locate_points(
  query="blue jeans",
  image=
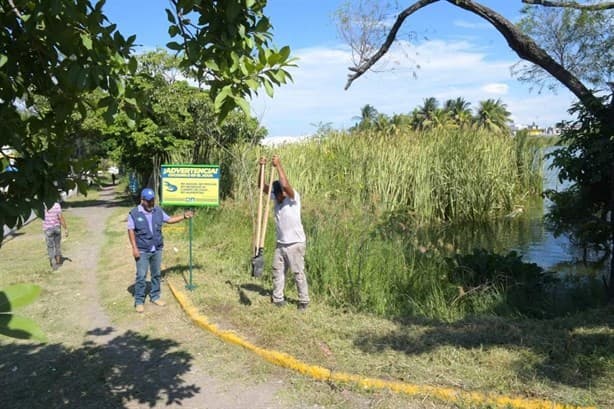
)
(151, 261)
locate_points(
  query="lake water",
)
(525, 233)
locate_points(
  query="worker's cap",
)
(147, 194)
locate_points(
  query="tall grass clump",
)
(445, 175)
(352, 184)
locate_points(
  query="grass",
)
(350, 325)
(567, 360)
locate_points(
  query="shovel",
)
(258, 260)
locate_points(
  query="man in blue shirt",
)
(145, 234)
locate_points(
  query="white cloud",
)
(447, 70)
(496, 88)
(471, 25)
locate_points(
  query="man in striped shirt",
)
(52, 226)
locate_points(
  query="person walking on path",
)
(291, 241)
(145, 234)
(53, 223)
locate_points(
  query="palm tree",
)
(368, 116)
(459, 111)
(493, 115)
(441, 119)
(424, 115)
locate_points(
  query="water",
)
(543, 248)
(525, 233)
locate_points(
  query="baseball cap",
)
(147, 194)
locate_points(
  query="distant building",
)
(534, 130)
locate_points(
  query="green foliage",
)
(365, 196)
(54, 55)
(15, 326)
(586, 161)
(441, 175)
(229, 46)
(581, 41)
(491, 116)
(517, 286)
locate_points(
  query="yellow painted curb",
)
(450, 395)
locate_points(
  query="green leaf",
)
(284, 53)
(170, 16)
(252, 83)
(174, 45)
(268, 87)
(18, 327)
(173, 30)
(3, 59)
(212, 65)
(87, 41)
(133, 64)
(220, 98)
(243, 104)
(18, 295)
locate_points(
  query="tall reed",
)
(365, 197)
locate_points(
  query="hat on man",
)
(147, 194)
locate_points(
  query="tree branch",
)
(523, 45)
(528, 50)
(364, 67)
(572, 5)
(15, 9)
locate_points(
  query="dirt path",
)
(199, 389)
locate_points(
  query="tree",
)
(580, 40)
(526, 48)
(425, 114)
(53, 53)
(598, 113)
(368, 116)
(178, 122)
(459, 111)
(493, 116)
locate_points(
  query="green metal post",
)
(190, 286)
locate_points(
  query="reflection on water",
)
(524, 232)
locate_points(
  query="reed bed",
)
(365, 196)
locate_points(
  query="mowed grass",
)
(567, 360)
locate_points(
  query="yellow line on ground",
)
(450, 395)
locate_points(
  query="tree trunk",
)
(609, 135)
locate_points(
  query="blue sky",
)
(459, 55)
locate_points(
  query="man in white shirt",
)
(290, 248)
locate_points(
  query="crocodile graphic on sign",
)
(170, 187)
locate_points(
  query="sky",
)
(458, 54)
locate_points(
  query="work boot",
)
(279, 304)
(140, 308)
(159, 302)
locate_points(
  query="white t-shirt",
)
(288, 220)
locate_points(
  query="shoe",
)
(302, 306)
(159, 302)
(279, 304)
(140, 308)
